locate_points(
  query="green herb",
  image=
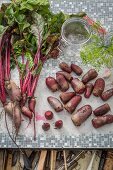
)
(97, 54)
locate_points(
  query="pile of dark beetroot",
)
(70, 100)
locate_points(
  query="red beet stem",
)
(25, 83)
(33, 87)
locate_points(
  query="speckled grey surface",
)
(101, 10)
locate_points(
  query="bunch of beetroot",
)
(70, 100)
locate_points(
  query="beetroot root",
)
(9, 108)
(101, 110)
(98, 87)
(81, 115)
(77, 86)
(55, 104)
(66, 96)
(107, 94)
(65, 67)
(102, 120)
(64, 85)
(17, 118)
(90, 75)
(73, 103)
(76, 69)
(27, 112)
(88, 91)
(13, 91)
(52, 84)
(32, 104)
(67, 76)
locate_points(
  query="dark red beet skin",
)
(48, 115)
(67, 76)
(102, 120)
(73, 103)
(101, 110)
(76, 69)
(55, 104)
(58, 124)
(66, 96)
(98, 87)
(107, 94)
(52, 84)
(88, 90)
(65, 67)
(46, 126)
(64, 85)
(78, 86)
(90, 75)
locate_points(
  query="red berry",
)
(46, 126)
(48, 115)
(59, 124)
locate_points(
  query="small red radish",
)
(81, 115)
(64, 85)
(55, 104)
(73, 103)
(88, 91)
(58, 124)
(27, 112)
(107, 94)
(48, 115)
(98, 87)
(67, 76)
(46, 126)
(65, 67)
(90, 75)
(32, 104)
(101, 110)
(66, 96)
(52, 84)
(76, 69)
(102, 120)
(77, 86)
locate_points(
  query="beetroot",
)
(52, 84)
(73, 103)
(64, 85)
(58, 124)
(66, 96)
(102, 120)
(81, 115)
(48, 115)
(55, 104)
(98, 87)
(67, 76)
(90, 75)
(31, 104)
(77, 86)
(88, 91)
(101, 110)
(65, 67)
(46, 126)
(107, 94)
(76, 69)
(17, 118)
(27, 112)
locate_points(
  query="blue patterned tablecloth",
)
(101, 10)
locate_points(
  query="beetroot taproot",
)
(52, 84)
(65, 67)
(67, 76)
(27, 112)
(75, 68)
(90, 75)
(88, 90)
(66, 96)
(101, 110)
(98, 87)
(78, 86)
(107, 94)
(64, 85)
(55, 104)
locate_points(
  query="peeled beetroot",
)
(64, 85)
(107, 94)
(79, 116)
(66, 96)
(90, 75)
(76, 69)
(78, 86)
(98, 87)
(73, 103)
(52, 84)
(65, 67)
(46, 126)
(55, 104)
(102, 120)
(101, 110)
(59, 124)
(48, 115)
(67, 76)
(88, 90)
